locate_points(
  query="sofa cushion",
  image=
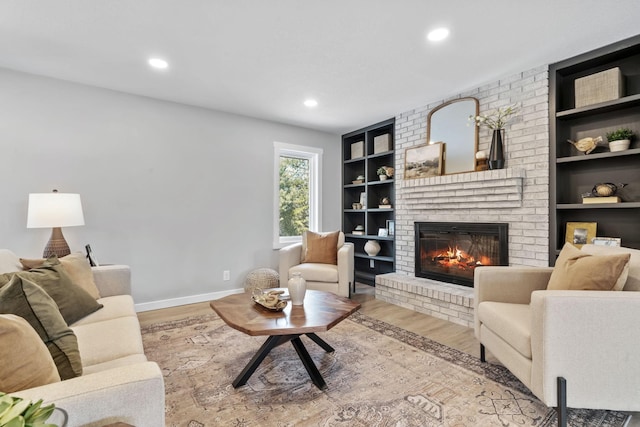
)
(112, 339)
(320, 247)
(511, 322)
(9, 262)
(113, 307)
(74, 303)
(316, 272)
(633, 280)
(76, 266)
(26, 362)
(29, 301)
(578, 270)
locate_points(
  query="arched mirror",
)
(449, 123)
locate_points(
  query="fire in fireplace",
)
(451, 251)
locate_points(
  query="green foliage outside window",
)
(294, 196)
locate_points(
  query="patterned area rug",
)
(379, 375)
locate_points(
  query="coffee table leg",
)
(271, 342)
(322, 343)
(308, 363)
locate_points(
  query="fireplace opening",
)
(451, 251)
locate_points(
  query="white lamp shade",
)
(48, 210)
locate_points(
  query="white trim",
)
(314, 155)
(192, 299)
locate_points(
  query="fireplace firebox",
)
(451, 251)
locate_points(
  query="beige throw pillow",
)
(320, 248)
(76, 266)
(577, 270)
(29, 301)
(26, 362)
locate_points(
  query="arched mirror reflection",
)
(449, 123)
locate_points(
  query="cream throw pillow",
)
(321, 248)
(26, 362)
(76, 266)
(577, 270)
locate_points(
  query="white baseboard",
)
(174, 302)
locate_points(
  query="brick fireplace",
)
(517, 195)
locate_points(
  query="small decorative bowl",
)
(619, 145)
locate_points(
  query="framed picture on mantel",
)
(423, 161)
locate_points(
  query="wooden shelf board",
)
(602, 107)
(596, 156)
(575, 206)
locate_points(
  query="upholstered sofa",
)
(321, 276)
(117, 381)
(575, 348)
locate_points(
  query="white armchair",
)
(575, 348)
(336, 278)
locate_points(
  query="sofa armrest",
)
(289, 256)
(133, 394)
(513, 284)
(345, 269)
(591, 339)
(112, 279)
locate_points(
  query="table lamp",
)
(55, 210)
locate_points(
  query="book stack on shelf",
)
(609, 199)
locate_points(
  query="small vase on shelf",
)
(496, 153)
(297, 289)
(372, 248)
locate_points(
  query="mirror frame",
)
(476, 133)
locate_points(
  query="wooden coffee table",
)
(321, 311)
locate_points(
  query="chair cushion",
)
(26, 362)
(29, 301)
(316, 272)
(74, 302)
(578, 270)
(320, 247)
(633, 281)
(511, 322)
(76, 266)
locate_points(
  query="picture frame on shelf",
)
(363, 200)
(391, 227)
(606, 241)
(424, 160)
(383, 232)
(580, 233)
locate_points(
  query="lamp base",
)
(56, 245)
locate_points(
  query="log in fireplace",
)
(451, 251)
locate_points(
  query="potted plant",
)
(385, 172)
(496, 121)
(619, 139)
(18, 412)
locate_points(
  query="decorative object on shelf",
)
(423, 161)
(496, 121)
(372, 247)
(620, 139)
(603, 193)
(385, 172)
(385, 203)
(381, 143)
(599, 87)
(359, 180)
(586, 145)
(363, 199)
(359, 230)
(383, 232)
(606, 241)
(356, 206)
(297, 289)
(580, 233)
(391, 227)
(357, 149)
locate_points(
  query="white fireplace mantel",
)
(501, 188)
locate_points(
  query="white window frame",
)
(314, 155)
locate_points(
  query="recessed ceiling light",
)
(158, 63)
(310, 103)
(438, 34)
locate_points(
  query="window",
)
(297, 172)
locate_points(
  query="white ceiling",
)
(363, 60)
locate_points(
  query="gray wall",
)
(177, 192)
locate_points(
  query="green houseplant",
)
(620, 134)
(18, 412)
(385, 172)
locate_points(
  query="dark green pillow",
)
(73, 302)
(29, 301)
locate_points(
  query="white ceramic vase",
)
(297, 288)
(372, 247)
